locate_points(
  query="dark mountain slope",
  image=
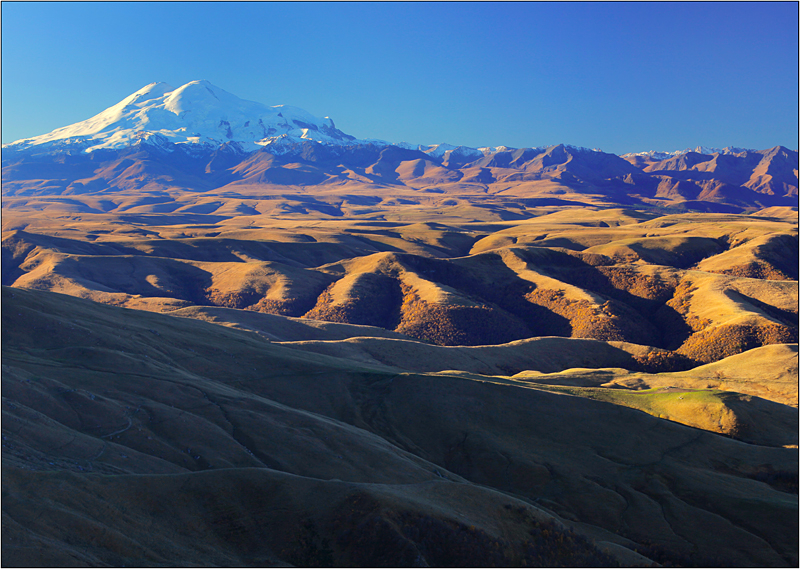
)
(745, 180)
(134, 421)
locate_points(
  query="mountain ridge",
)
(160, 101)
(199, 137)
(155, 165)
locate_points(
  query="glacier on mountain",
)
(200, 116)
(195, 113)
(708, 150)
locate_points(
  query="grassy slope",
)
(733, 414)
(104, 392)
(406, 278)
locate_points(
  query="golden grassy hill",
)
(608, 274)
(769, 372)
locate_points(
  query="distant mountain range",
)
(199, 137)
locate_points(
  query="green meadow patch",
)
(706, 409)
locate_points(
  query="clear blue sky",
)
(617, 76)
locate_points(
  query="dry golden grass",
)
(770, 256)
(750, 396)
(779, 212)
(742, 417)
(351, 270)
(768, 372)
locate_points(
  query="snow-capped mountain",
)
(707, 150)
(199, 137)
(199, 116)
(197, 112)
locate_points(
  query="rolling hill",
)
(235, 335)
(120, 426)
